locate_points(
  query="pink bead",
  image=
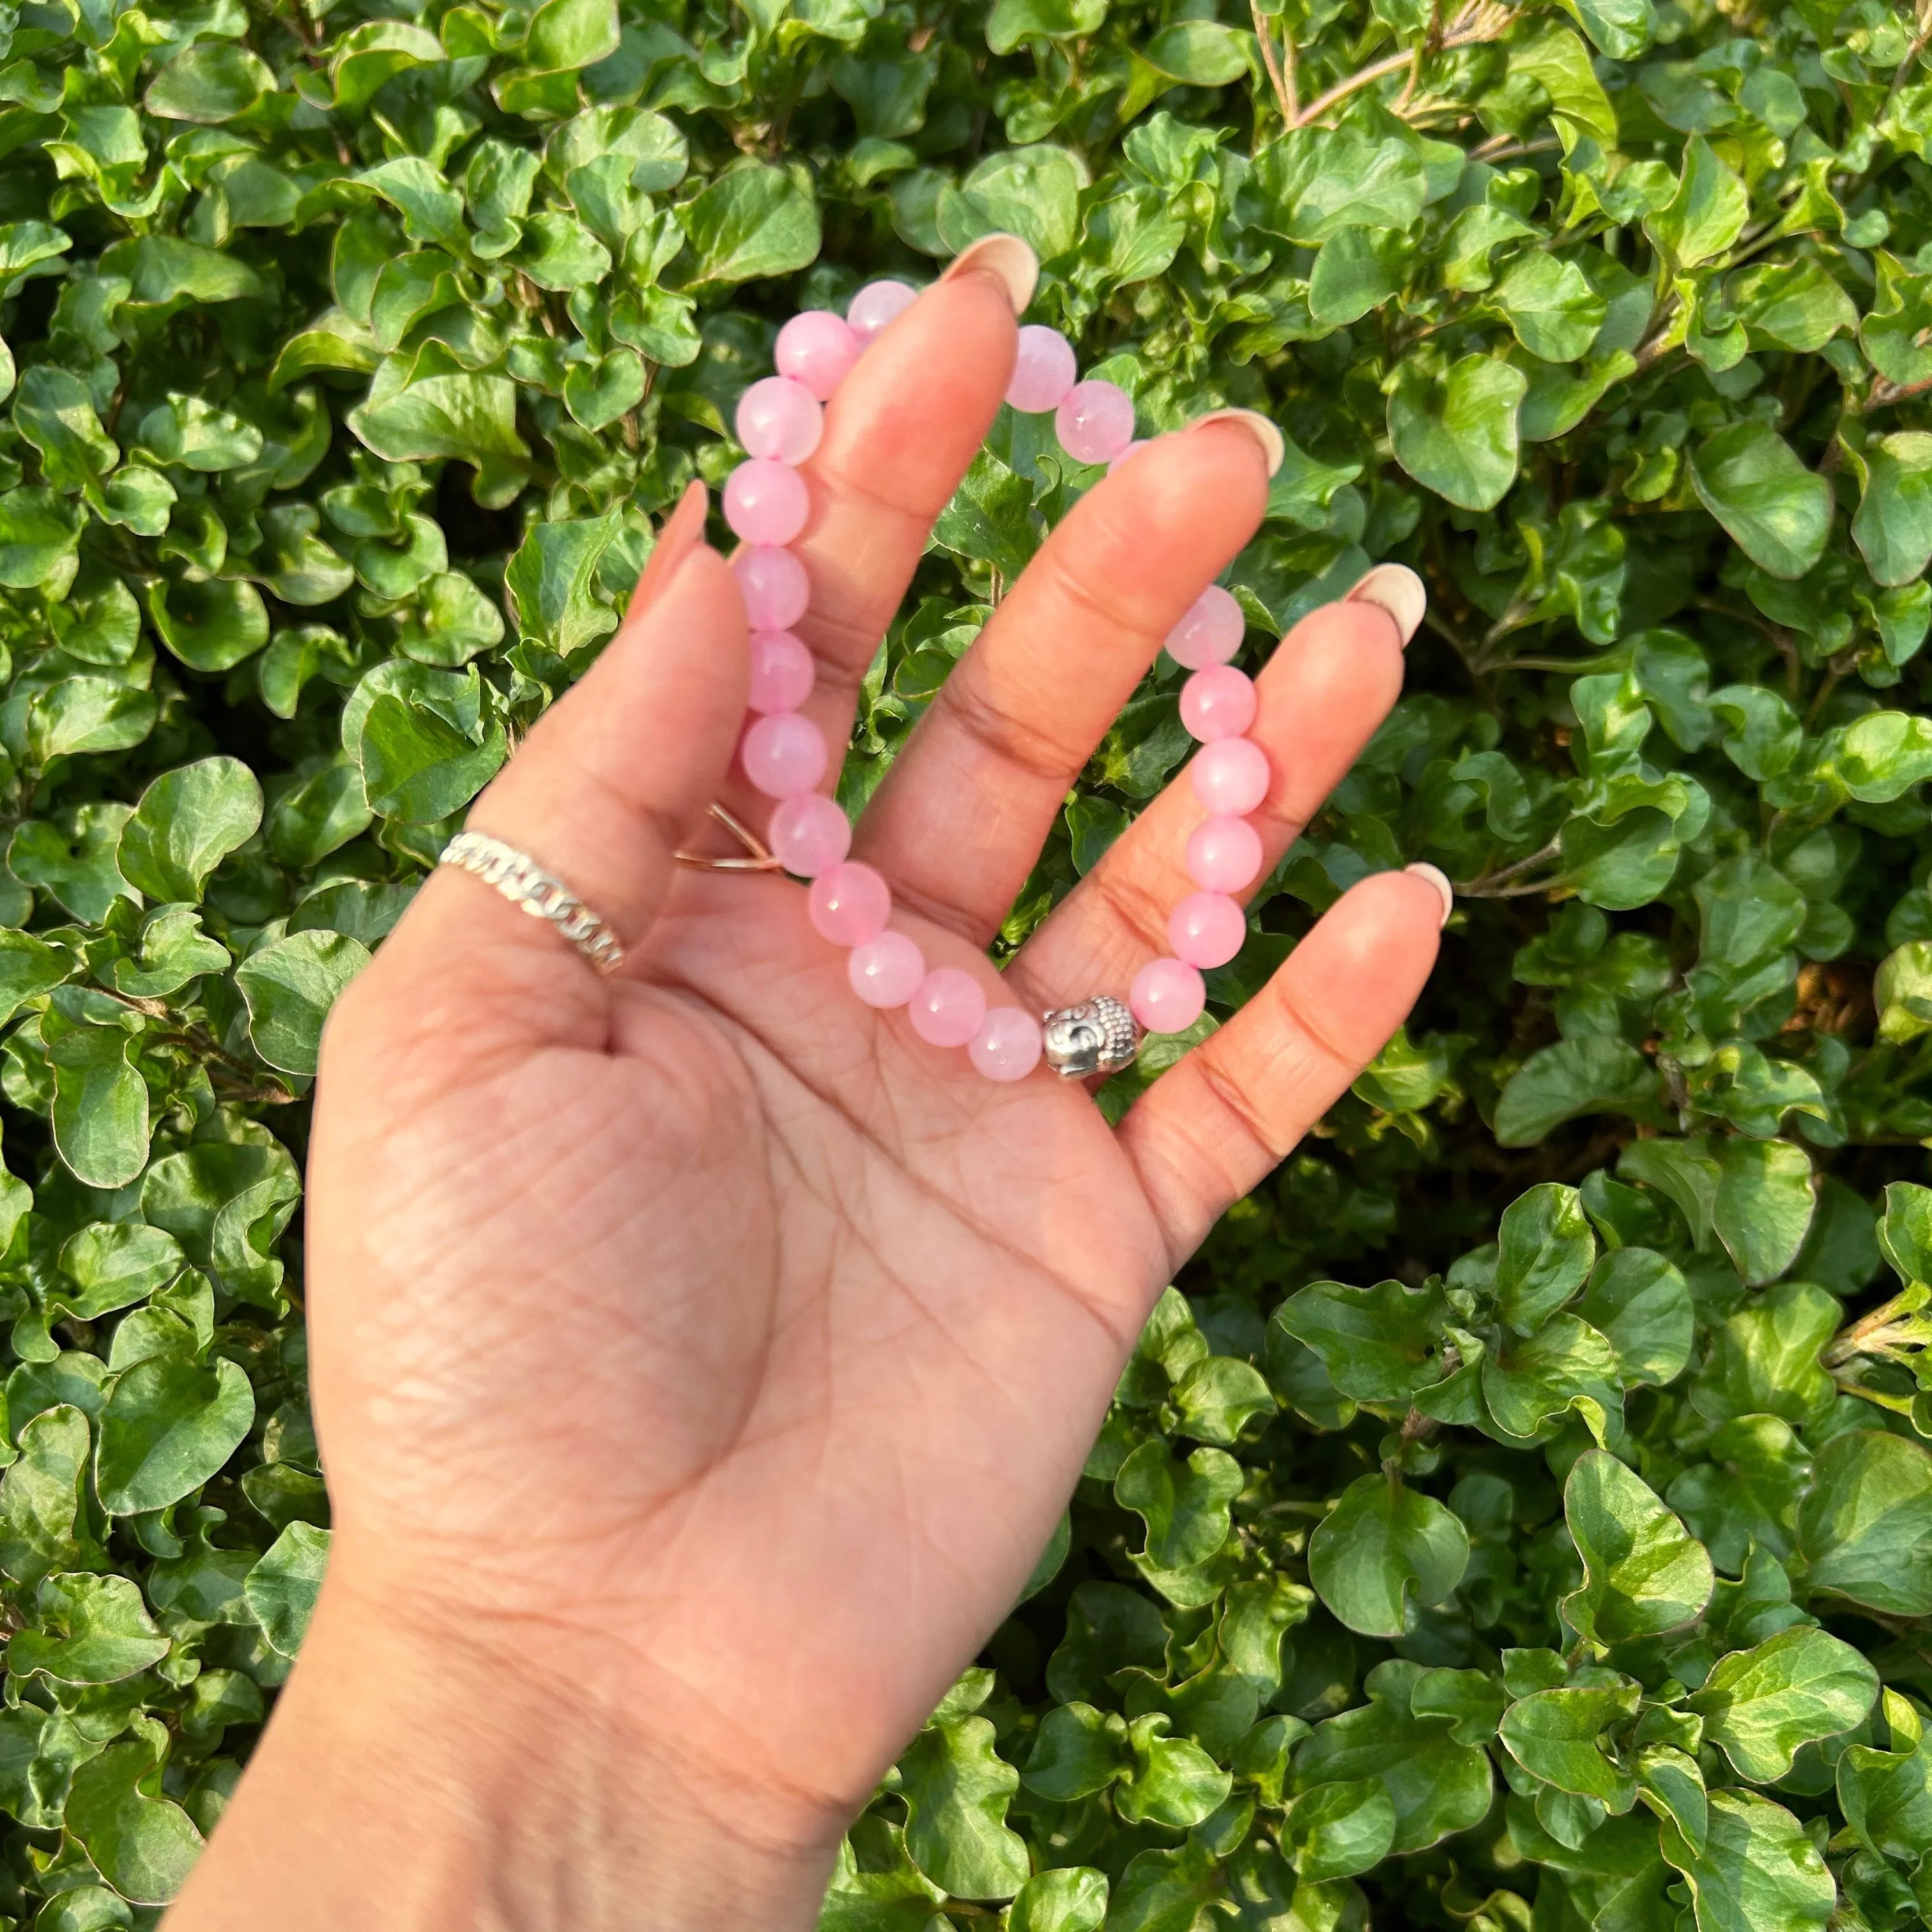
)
(782, 672)
(808, 834)
(1217, 703)
(1139, 443)
(779, 418)
(1095, 421)
(1166, 996)
(1206, 929)
(765, 502)
(1008, 1045)
(1224, 855)
(876, 304)
(1211, 633)
(849, 903)
(1043, 371)
(817, 348)
(774, 586)
(783, 754)
(948, 1008)
(1230, 776)
(886, 971)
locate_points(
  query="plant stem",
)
(1280, 65)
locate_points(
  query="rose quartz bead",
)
(783, 754)
(808, 834)
(1166, 996)
(1217, 703)
(1230, 776)
(1206, 929)
(1211, 633)
(886, 971)
(1139, 443)
(1224, 855)
(774, 586)
(849, 903)
(1043, 371)
(876, 304)
(817, 348)
(1008, 1045)
(779, 418)
(948, 1008)
(765, 502)
(1095, 421)
(782, 672)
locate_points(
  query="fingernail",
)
(1439, 879)
(1395, 588)
(1274, 450)
(675, 535)
(1006, 257)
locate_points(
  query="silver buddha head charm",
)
(1098, 1036)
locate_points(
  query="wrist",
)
(424, 1777)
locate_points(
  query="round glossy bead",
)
(876, 304)
(1167, 996)
(774, 586)
(949, 1007)
(1008, 1045)
(886, 971)
(808, 834)
(1217, 703)
(783, 754)
(779, 418)
(1206, 929)
(818, 349)
(1094, 421)
(1224, 855)
(849, 903)
(1043, 371)
(1230, 777)
(1211, 633)
(766, 502)
(782, 672)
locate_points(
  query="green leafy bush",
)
(1564, 1561)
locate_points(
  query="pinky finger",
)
(1214, 1125)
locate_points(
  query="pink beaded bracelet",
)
(783, 754)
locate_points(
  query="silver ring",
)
(524, 883)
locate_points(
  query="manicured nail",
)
(676, 536)
(1395, 588)
(1274, 450)
(1006, 258)
(1439, 879)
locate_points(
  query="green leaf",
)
(281, 1589)
(1071, 1898)
(187, 821)
(1559, 1736)
(288, 987)
(87, 1630)
(168, 1425)
(750, 224)
(1456, 432)
(162, 270)
(1553, 309)
(1762, 1705)
(1184, 1504)
(1337, 1830)
(1886, 1796)
(1767, 1194)
(1011, 23)
(570, 34)
(1621, 28)
(1756, 1871)
(209, 83)
(1778, 511)
(553, 585)
(1705, 216)
(142, 1843)
(39, 532)
(55, 411)
(1546, 1250)
(1644, 1573)
(1319, 181)
(1033, 192)
(1379, 1344)
(28, 967)
(419, 768)
(44, 1524)
(199, 435)
(1382, 1552)
(116, 1263)
(1596, 1074)
(100, 1115)
(212, 624)
(472, 417)
(1641, 1305)
(956, 1789)
(1865, 1528)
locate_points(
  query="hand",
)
(702, 1361)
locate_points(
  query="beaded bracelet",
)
(783, 754)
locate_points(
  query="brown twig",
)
(1280, 66)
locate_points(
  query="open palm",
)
(700, 1328)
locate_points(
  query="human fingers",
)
(1022, 711)
(1216, 1123)
(609, 781)
(1320, 698)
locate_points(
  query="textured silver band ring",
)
(524, 883)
